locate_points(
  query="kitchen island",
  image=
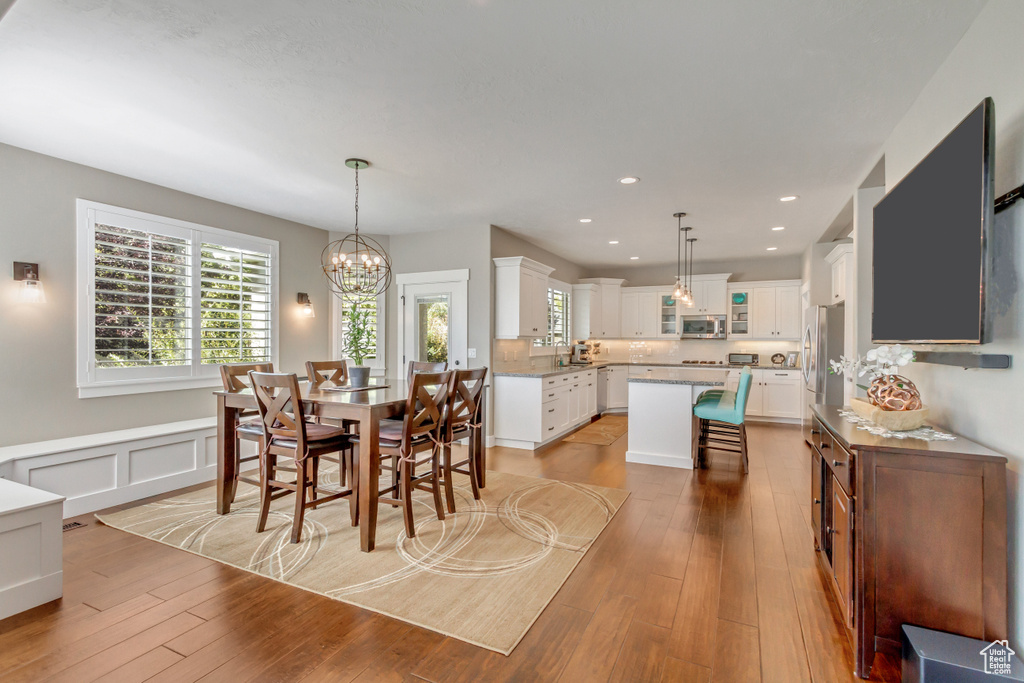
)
(661, 414)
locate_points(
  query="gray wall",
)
(743, 270)
(450, 249)
(504, 243)
(40, 400)
(984, 405)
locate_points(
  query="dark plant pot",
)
(359, 376)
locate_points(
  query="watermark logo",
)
(998, 658)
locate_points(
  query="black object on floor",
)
(937, 657)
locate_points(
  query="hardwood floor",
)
(701, 576)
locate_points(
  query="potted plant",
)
(358, 344)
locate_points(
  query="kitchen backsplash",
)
(514, 354)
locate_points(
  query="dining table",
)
(384, 398)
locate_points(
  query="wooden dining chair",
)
(424, 366)
(335, 373)
(304, 444)
(462, 419)
(418, 432)
(235, 378)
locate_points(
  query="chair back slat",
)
(425, 407)
(235, 376)
(275, 393)
(464, 400)
(416, 366)
(333, 371)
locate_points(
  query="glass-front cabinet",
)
(738, 302)
(668, 315)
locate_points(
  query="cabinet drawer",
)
(838, 459)
(549, 395)
(550, 419)
(551, 382)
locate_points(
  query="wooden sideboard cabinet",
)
(908, 532)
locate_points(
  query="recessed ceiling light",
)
(613, 242)
(772, 248)
(629, 180)
(585, 220)
(788, 198)
(633, 258)
(779, 227)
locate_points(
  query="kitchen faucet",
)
(556, 357)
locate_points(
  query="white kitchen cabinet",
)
(630, 315)
(774, 393)
(780, 391)
(618, 395)
(775, 311)
(531, 411)
(841, 260)
(602, 390)
(641, 313)
(608, 325)
(650, 308)
(520, 298)
(739, 315)
(708, 297)
(668, 315)
(586, 311)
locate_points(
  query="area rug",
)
(483, 575)
(601, 433)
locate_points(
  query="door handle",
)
(817, 501)
(456, 362)
(837, 463)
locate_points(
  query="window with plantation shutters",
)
(141, 299)
(559, 301)
(235, 305)
(163, 302)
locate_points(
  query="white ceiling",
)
(518, 113)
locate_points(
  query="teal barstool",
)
(718, 419)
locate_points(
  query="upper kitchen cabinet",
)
(520, 297)
(841, 260)
(774, 309)
(640, 312)
(708, 295)
(586, 311)
(608, 324)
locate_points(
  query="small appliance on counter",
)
(743, 359)
(581, 354)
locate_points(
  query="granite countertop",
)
(549, 372)
(713, 378)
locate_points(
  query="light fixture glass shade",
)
(31, 292)
(687, 298)
(307, 311)
(678, 293)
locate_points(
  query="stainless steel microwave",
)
(703, 327)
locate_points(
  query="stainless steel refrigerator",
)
(822, 342)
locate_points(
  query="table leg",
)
(369, 479)
(227, 456)
(481, 443)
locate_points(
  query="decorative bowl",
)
(893, 420)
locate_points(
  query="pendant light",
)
(678, 292)
(688, 296)
(357, 267)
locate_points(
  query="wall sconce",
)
(31, 291)
(307, 306)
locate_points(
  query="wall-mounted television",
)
(931, 232)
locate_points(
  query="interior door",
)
(433, 324)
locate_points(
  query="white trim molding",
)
(97, 471)
(93, 382)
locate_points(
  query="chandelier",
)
(357, 267)
(682, 291)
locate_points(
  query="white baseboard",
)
(101, 470)
(660, 460)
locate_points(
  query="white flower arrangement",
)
(885, 360)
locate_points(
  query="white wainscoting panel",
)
(100, 470)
